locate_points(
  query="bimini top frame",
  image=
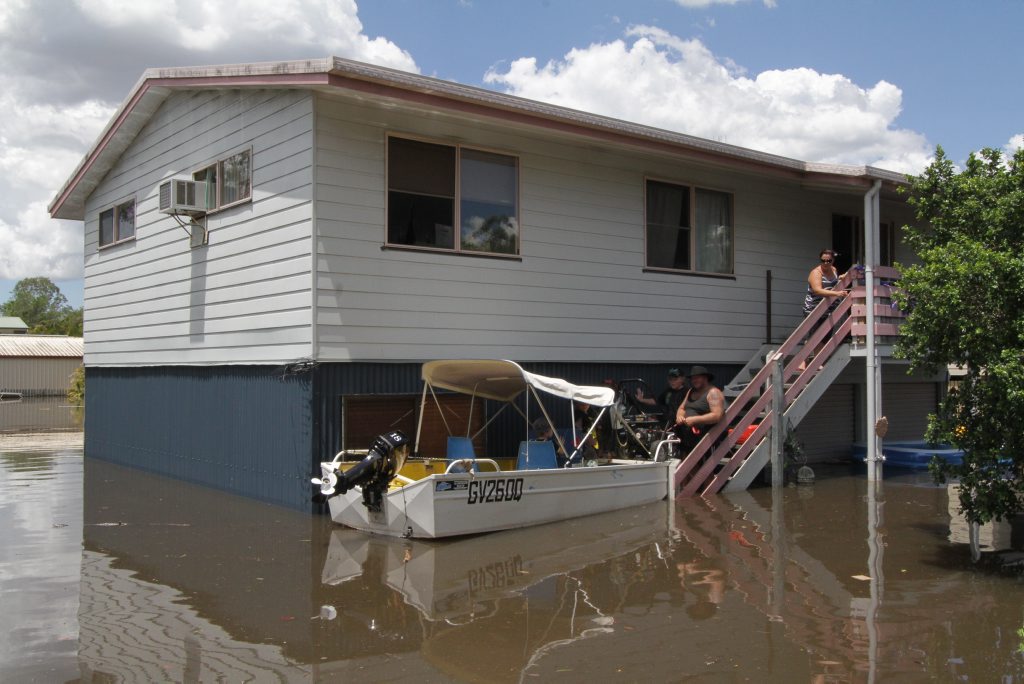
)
(504, 381)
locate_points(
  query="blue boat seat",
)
(536, 456)
(460, 447)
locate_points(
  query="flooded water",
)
(112, 575)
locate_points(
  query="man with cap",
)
(667, 403)
(701, 408)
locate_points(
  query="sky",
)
(876, 82)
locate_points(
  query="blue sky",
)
(865, 82)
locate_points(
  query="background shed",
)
(38, 365)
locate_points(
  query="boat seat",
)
(536, 456)
(458, 448)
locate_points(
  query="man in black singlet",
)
(703, 406)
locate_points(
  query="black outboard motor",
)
(384, 459)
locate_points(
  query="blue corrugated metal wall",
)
(243, 429)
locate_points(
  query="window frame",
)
(693, 188)
(457, 199)
(115, 208)
(218, 166)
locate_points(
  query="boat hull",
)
(457, 504)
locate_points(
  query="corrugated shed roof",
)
(40, 345)
(12, 322)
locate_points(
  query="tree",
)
(966, 306)
(43, 308)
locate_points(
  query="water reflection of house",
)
(38, 365)
(131, 630)
(358, 221)
(172, 573)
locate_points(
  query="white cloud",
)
(67, 67)
(36, 245)
(656, 78)
(1014, 144)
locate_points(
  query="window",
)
(117, 223)
(228, 181)
(689, 229)
(432, 188)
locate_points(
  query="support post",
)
(768, 307)
(778, 419)
(871, 410)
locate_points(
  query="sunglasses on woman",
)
(826, 261)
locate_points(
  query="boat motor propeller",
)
(383, 460)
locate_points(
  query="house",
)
(38, 365)
(354, 221)
(12, 325)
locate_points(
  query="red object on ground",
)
(746, 433)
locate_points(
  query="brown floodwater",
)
(110, 574)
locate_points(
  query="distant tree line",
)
(43, 308)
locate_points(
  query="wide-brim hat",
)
(700, 370)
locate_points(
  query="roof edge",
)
(298, 73)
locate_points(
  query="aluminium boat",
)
(389, 493)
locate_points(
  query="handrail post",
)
(778, 421)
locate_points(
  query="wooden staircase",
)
(720, 462)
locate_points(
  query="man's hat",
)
(700, 370)
(675, 373)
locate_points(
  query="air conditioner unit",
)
(183, 196)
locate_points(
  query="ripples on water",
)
(115, 575)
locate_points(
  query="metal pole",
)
(875, 551)
(768, 307)
(778, 420)
(871, 410)
(879, 413)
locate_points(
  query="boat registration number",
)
(492, 491)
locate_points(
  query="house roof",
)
(334, 73)
(48, 346)
(12, 322)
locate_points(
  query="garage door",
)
(365, 417)
(907, 406)
(827, 431)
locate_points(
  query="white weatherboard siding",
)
(244, 298)
(579, 292)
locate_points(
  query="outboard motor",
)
(385, 458)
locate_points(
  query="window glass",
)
(236, 176)
(421, 194)
(668, 226)
(126, 220)
(706, 245)
(488, 202)
(713, 232)
(208, 176)
(106, 227)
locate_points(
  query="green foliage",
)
(76, 391)
(966, 306)
(43, 307)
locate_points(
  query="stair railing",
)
(712, 453)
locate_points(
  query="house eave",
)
(334, 73)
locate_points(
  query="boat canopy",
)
(505, 380)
